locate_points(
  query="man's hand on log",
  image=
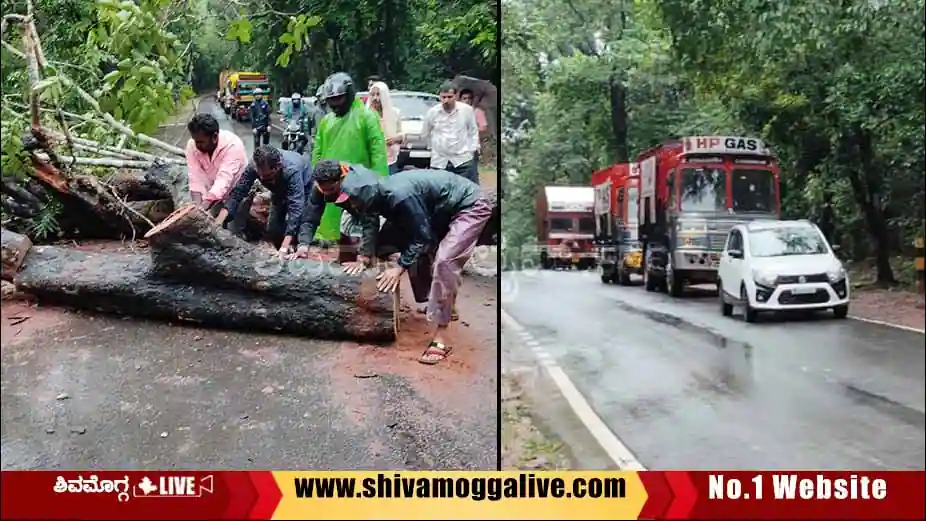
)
(389, 279)
(356, 268)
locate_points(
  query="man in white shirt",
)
(451, 129)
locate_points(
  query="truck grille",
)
(795, 279)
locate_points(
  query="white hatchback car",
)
(780, 266)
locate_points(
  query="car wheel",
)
(749, 313)
(841, 311)
(726, 309)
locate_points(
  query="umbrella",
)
(485, 96)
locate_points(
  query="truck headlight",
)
(764, 279)
(836, 275)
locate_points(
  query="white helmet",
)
(296, 96)
(258, 90)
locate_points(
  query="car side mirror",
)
(836, 247)
(736, 254)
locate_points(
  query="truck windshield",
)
(703, 189)
(586, 225)
(753, 190)
(632, 204)
(779, 242)
(560, 224)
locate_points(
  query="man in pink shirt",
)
(215, 160)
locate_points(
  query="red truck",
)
(617, 245)
(566, 227)
(692, 191)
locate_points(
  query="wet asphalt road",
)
(81, 392)
(684, 387)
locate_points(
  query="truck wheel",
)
(625, 277)
(674, 282)
(648, 281)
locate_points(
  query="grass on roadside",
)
(524, 446)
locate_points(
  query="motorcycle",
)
(294, 136)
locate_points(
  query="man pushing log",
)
(430, 215)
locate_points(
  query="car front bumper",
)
(817, 295)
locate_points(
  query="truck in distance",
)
(692, 192)
(617, 245)
(566, 227)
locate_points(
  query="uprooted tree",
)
(77, 114)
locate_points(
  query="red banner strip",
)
(138, 495)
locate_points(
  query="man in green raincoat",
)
(350, 133)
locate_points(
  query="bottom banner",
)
(462, 495)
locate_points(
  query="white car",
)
(780, 266)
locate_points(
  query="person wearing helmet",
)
(259, 114)
(296, 110)
(350, 133)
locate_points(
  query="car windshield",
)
(413, 106)
(632, 204)
(753, 190)
(703, 190)
(780, 242)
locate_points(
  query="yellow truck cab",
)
(241, 85)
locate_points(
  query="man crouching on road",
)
(428, 211)
(215, 160)
(288, 176)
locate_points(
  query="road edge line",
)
(619, 453)
(888, 324)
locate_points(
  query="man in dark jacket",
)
(288, 176)
(259, 114)
(428, 213)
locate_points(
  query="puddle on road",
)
(730, 366)
(889, 407)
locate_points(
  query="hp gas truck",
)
(692, 191)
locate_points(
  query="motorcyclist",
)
(297, 111)
(259, 114)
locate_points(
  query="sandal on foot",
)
(437, 350)
(454, 316)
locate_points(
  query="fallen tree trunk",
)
(200, 273)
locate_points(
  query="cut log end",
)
(14, 249)
(177, 216)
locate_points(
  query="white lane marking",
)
(888, 324)
(619, 453)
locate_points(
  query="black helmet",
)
(338, 84)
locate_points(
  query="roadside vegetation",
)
(836, 89)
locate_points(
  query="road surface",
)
(82, 392)
(683, 387)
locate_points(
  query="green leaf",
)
(44, 84)
(112, 77)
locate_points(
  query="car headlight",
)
(836, 275)
(764, 279)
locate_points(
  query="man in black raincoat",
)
(429, 214)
